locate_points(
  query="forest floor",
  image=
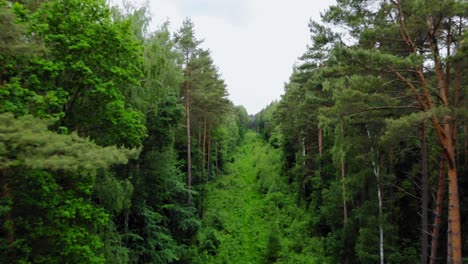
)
(250, 217)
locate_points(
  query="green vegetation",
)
(373, 127)
(120, 145)
(251, 214)
(92, 134)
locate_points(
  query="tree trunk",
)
(206, 176)
(204, 142)
(376, 169)
(438, 210)
(189, 149)
(454, 208)
(343, 181)
(381, 232)
(465, 130)
(209, 155)
(424, 196)
(445, 134)
(8, 221)
(454, 232)
(443, 129)
(449, 243)
(303, 151)
(345, 206)
(199, 125)
(320, 150)
(216, 159)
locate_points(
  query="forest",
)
(119, 144)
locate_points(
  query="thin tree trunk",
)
(381, 232)
(8, 221)
(216, 159)
(343, 180)
(204, 142)
(189, 149)
(343, 183)
(209, 155)
(199, 132)
(126, 218)
(376, 169)
(303, 151)
(320, 150)
(424, 196)
(390, 161)
(345, 206)
(206, 176)
(465, 130)
(438, 210)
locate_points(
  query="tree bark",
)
(343, 180)
(343, 183)
(444, 129)
(345, 206)
(303, 151)
(424, 196)
(199, 132)
(208, 164)
(376, 169)
(204, 142)
(206, 176)
(465, 129)
(216, 159)
(447, 140)
(8, 221)
(454, 207)
(189, 149)
(449, 244)
(438, 209)
(320, 150)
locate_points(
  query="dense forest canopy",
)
(119, 144)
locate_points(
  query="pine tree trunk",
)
(343, 183)
(454, 208)
(449, 243)
(443, 129)
(465, 130)
(445, 134)
(438, 210)
(345, 206)
(216, 159)
(189, 149)
(204, 142)
(303, 151)
(204, 178)
(424, 196)
(343, 180)
(209, 155)
(8, 221)
(199, 141)
(320, 149)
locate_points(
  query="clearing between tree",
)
(251, 217)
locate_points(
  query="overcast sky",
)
(255, 43)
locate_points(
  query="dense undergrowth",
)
(252, 216)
